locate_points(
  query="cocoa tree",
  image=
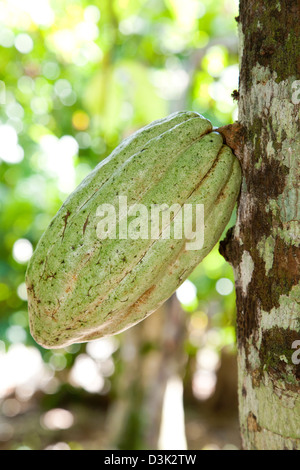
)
(264, 246)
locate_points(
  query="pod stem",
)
(234, 137)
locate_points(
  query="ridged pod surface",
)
(81, 287)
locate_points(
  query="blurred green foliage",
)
(78, 78)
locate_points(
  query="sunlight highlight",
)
(172, 432)
(85, 373)
(57, 419)
(224, 286)
(25, 12)
(10, 150)
(186, 293)
(22, 250)
(58, 158)
(21, 370)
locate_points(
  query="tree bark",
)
(264, 246)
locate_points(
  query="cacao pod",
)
(82, 287)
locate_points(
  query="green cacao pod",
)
(82, 286)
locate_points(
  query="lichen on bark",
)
(264, 248)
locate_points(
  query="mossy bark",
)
(264, 247)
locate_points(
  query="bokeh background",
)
(76, 78)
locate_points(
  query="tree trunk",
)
(264, 248)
